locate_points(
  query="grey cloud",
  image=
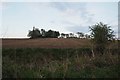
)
(78, 7)
(65, 5)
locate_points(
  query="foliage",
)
(80, 34)
(100, 34)
(58, 63)
(52, 34)
(36, 33)
(62, 35)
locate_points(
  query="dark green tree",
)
(35, 33)
(49, 34)
(43, 33)
(56, 34)
(52, 34)
(101, 34)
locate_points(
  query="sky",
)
(18, 18)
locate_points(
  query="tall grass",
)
(58, 63)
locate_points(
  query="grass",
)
(58, 63)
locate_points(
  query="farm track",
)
(45, 43)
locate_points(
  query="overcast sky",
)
(19, 17)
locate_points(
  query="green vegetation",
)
(101, 34)
(36, 33)
(59, 63)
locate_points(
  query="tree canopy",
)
(36, 33)
(101, 34)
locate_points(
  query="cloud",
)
(60, 16)
(78, 29)
(73, 14)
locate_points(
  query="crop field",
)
(56, 58)
(50, 43)
(45, 43)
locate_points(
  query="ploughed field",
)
(45, 43)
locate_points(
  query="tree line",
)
(36, 33)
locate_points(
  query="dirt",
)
(45, 43)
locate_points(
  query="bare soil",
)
(45, 43)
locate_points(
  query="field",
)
(45, 43)
(56, 58)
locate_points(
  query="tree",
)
(67, 35)
(56, 34)
(49, 34)
(43, 32)
(35, 33)
(80, 34)
(100, 34)
(52, 34)
(87, 36)
(71, 35)
(62, 35)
